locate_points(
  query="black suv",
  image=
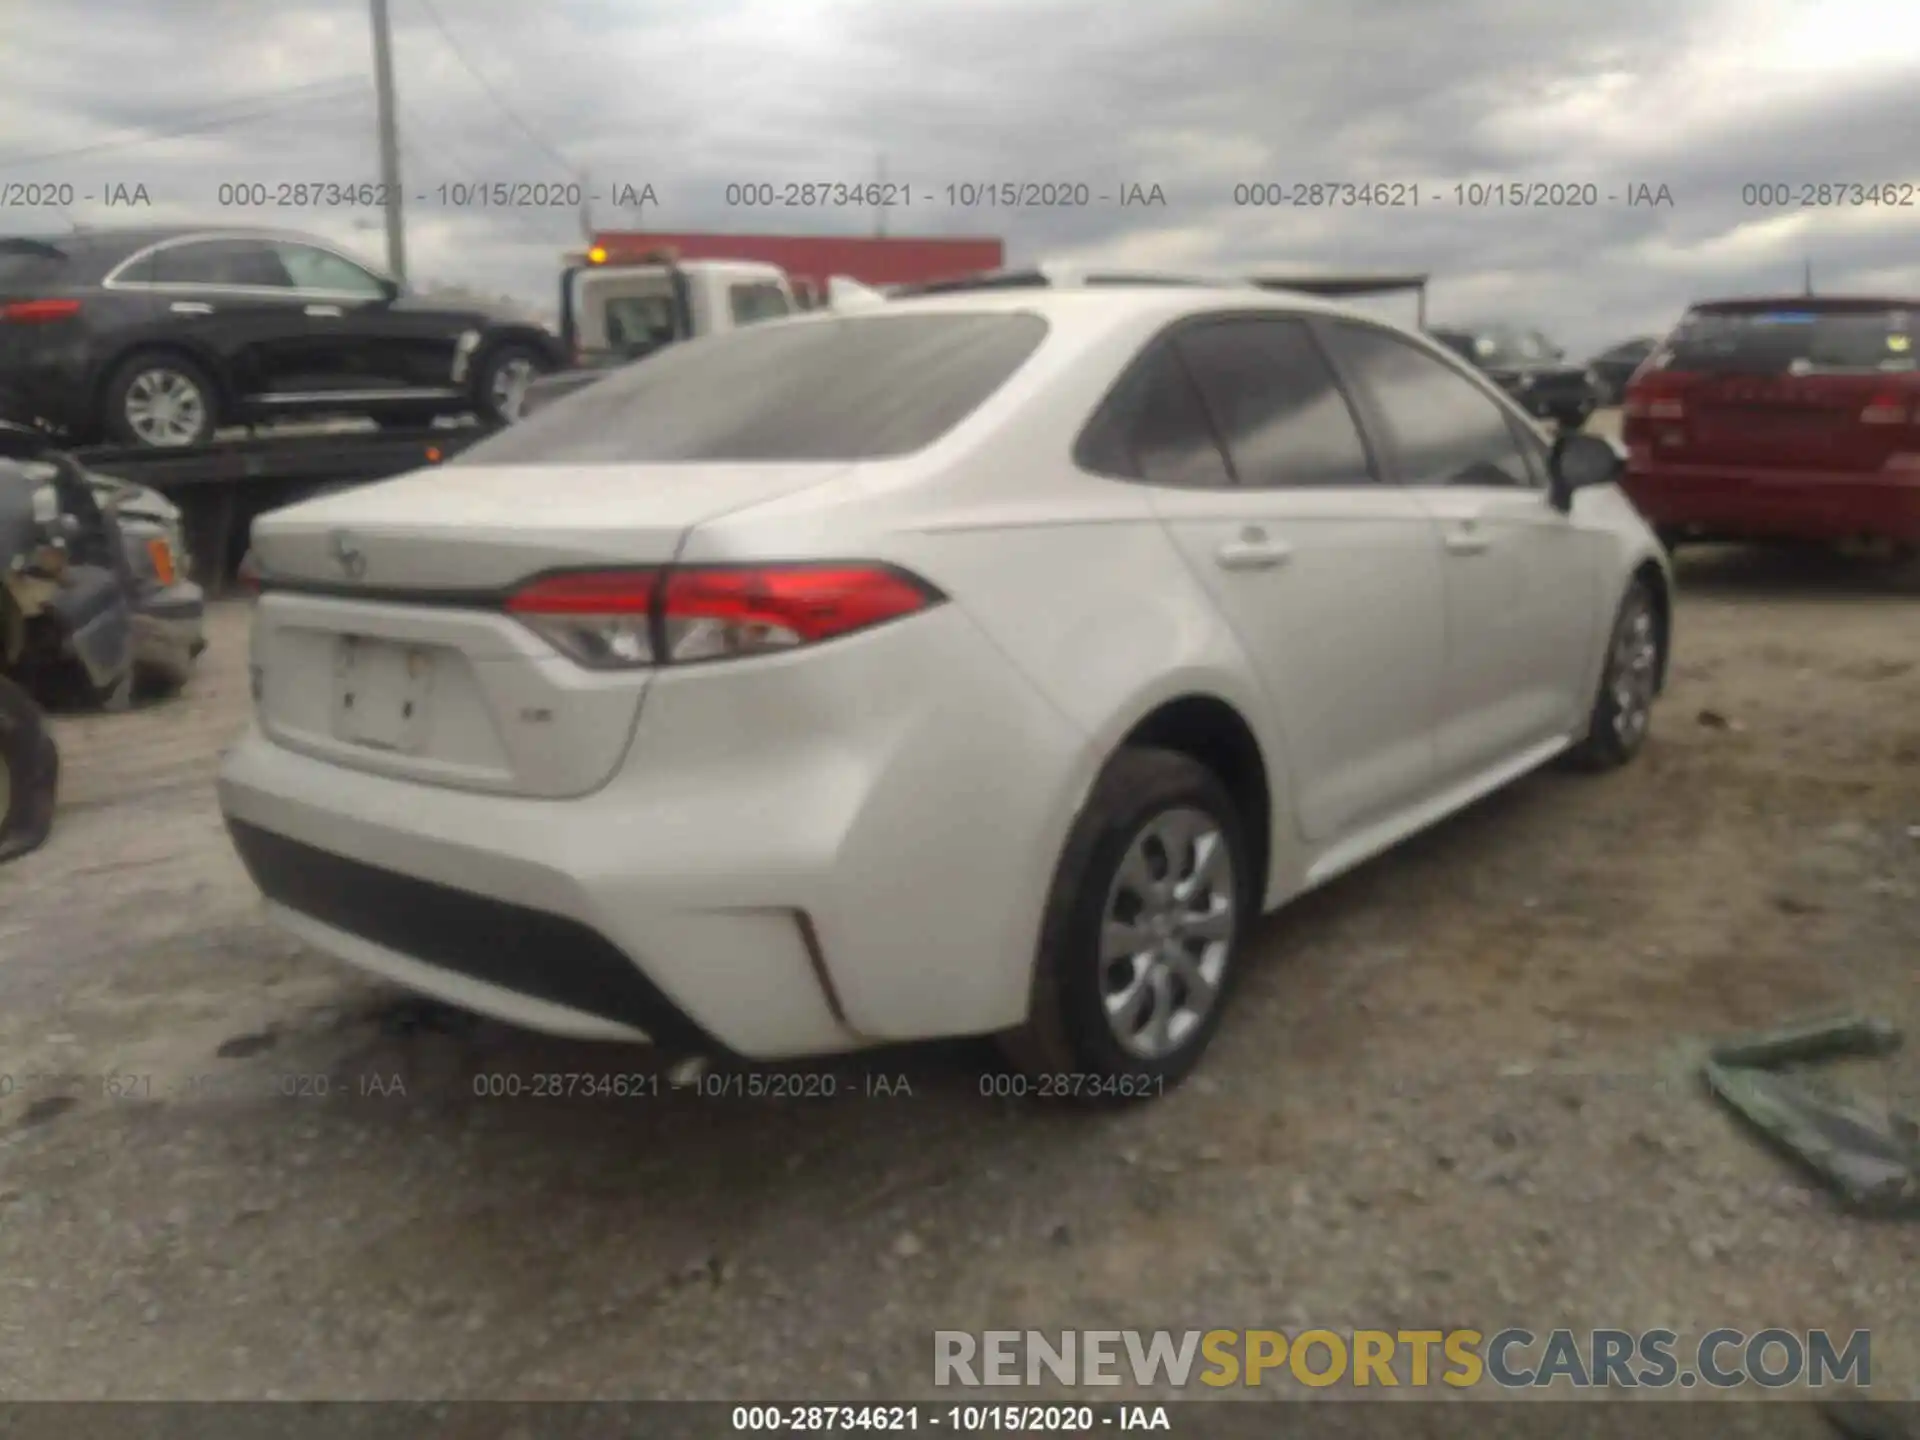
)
(1529, 367)
(157, 338)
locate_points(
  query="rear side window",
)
(26, 263)
(1276, 404)
(223, 262)
(866, 387)
(1786, 340)
(1445, 430)
(1154, 427)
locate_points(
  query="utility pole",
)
(586, 208)
(880, 211)
(389, 141)
(1809, 277)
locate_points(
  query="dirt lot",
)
(1456, 1089)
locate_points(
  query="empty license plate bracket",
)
(382, 693)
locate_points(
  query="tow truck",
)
(615, 312)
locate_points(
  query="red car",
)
(1791, 419)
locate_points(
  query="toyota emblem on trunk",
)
(349, 556)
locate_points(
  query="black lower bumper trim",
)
(547, 957)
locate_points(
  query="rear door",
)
(1803, 390)
(1521, 575)
(1331, 581)
(233, 298)
(355, 342)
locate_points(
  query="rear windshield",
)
(849, 388)
(1777, 342)
(26, 262)
(1512, 347)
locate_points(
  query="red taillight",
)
(38, 312)
(1890, 407)
(601, 618)
(613, 619)
(710, 614)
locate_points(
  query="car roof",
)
(125, 239)
(1834, 304)
(1092, 304)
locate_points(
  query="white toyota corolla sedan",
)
(982, 663)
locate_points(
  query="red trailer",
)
(810, 260)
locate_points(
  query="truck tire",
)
(29, 773)
(160, 400)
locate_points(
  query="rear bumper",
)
(782, 865)
(1786, 505)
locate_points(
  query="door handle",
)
(191, 307)
(328, 311)
(1252, 551)
(1466, 538)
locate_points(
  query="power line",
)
(181, 131)
(499, 100)
(355, 88)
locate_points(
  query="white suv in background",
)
(980, 663)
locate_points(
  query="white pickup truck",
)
(612, 315)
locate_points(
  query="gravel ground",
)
(1457, 1088)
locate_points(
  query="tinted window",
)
(314, 269)
(1774, 342)
(1275, 403)
(222, 262)
(1153, 427)
(756, 302)
(860, 387)
(23, 262)
(1445, 430)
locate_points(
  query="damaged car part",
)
(1872, 1163)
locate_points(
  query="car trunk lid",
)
(381, 642)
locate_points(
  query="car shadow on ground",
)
(1744, 572)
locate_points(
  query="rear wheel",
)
(1623, 710)
(1141, 937)
(160, 401)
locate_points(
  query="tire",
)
(1143, 795)
(491, 399)
(157, 374)
(29, 773)
(1617, 727)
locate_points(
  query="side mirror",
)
(1580, 461)
(391, 289)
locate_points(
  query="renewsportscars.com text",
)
(1509, 1359)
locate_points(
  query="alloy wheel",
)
(509, 388)
(165, 408)
(1633, 670)
(1167, 932)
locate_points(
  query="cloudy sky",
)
(1703, 97)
